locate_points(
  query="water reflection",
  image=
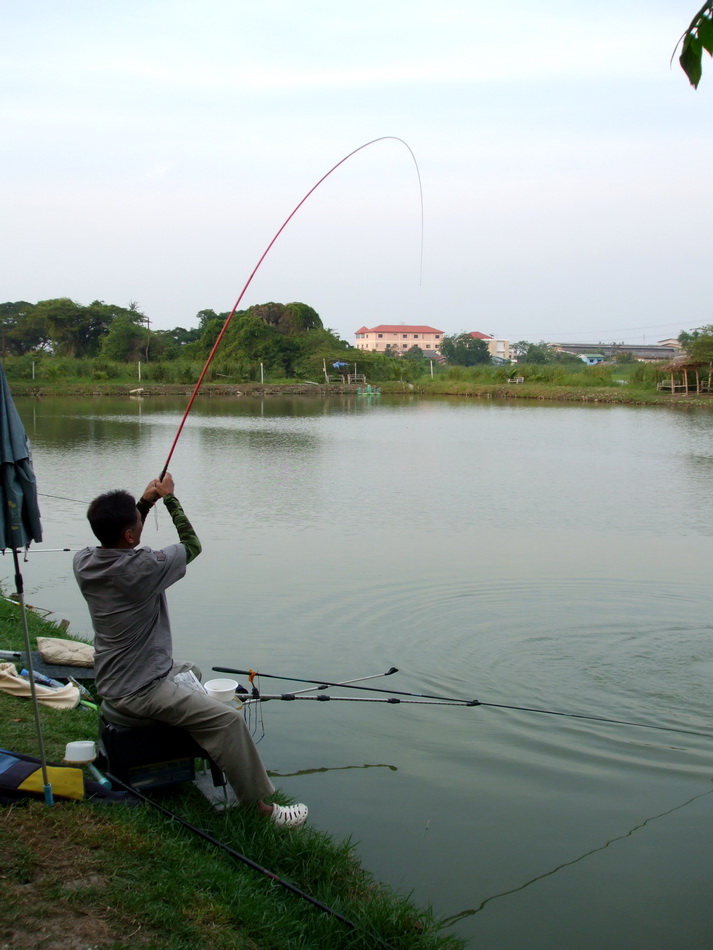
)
(338, 768)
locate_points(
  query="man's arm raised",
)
(164, 489)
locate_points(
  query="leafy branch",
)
(698, 37)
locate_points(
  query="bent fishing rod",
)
(460, 701)
(383, 138)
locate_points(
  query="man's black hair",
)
(111, 514)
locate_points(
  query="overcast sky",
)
(150, 150)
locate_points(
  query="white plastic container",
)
(80, 753)
(224, 690)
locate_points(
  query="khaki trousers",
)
(216, 727)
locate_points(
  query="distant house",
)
(498, 349)
(643, 352)
(591, 359)
(398, 338)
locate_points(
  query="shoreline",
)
(541, 392)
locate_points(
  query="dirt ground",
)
(45, 865)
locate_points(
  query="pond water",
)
(544, 556)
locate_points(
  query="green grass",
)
(632, 383)
(112, 876)
(619, 395)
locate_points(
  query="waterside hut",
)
(687, 376)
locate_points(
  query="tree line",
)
(62, 327)
(280, 340)
(279, 335)
(285, 340)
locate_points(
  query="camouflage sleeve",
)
(144, 508)
(186, 534)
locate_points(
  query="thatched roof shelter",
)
(685, 375)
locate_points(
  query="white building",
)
(496, 348)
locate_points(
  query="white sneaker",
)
(289, 816)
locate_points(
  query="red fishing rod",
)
(287, 220)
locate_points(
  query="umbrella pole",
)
(19, 586)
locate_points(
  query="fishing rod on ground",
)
(244, 859)
(267, 250)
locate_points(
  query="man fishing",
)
(124, 587)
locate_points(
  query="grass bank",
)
(79, 875)
(623, 395)
(84, 388)
(636, 387)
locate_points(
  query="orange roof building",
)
(500, 349)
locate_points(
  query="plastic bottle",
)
(82, 689)
(102, 779)
(43, 680)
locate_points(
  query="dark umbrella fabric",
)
(19, 525)
(19, 511)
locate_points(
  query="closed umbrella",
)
(19, 524)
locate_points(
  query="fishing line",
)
(455, 918)
(237, 856)
(616, 722)
(48, 551)
(287, 220)
(254, 719)
(62, 498)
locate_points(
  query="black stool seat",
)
(110, 714)
(149, 754)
